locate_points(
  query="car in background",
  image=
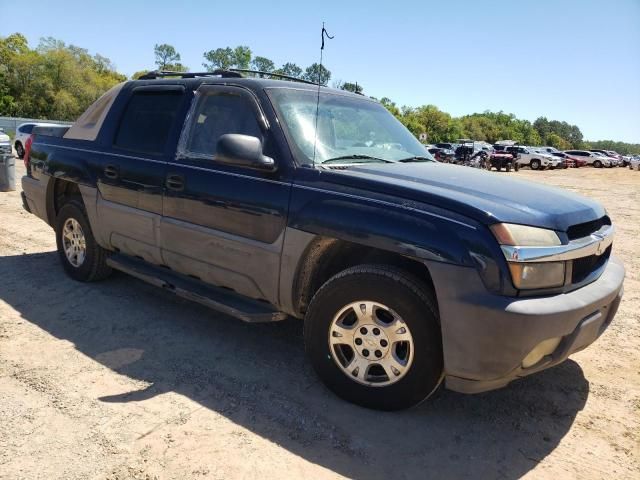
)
(617, 159)
(528, 157)
(594, 159)
(634, 163)
(442, 154)
(447, 145)
(551, 150)
(5, 144)
(569, 161)
(23, 132)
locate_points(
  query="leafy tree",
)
(53, 81)
(263, 64)
(226, 58)
(351, 87)
(166, 56)
(291, 70)
(139, 74)
(220, 58)
(242, 57)
(555, 140)
(317, 73)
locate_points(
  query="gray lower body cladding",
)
(486, 337)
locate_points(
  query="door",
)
(133, 169)
(220, 223)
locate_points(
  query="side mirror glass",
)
(243, 151)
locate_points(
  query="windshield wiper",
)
(357, 157)
(415, 159)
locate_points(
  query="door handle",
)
(175, 182)
(111, 172)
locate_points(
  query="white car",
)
(23, 132)
(592, 158)
(5, 144)
(535, 159)
(634, 163)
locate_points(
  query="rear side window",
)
(217, 114)
(147, 121)
(26, 128)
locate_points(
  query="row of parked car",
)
(536, 158)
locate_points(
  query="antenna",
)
(315, 140)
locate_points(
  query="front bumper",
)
(486, 337)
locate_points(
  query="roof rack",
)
(272, 74)
(168, 73)
(231, 73)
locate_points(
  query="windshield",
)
(349, 130)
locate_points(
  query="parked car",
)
(5, 145)
(540, 151)
(406, 271)
(448, 146)
(533, 159)
(500, 160)
(442, 154)
(569, 161)
(550, 150)
(22, 134)
(592, 158)
(616, 159)
(634, 163)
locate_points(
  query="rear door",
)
(225, 224)
(133, 169)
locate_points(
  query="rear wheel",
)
(535, 164)
(372, 335)
(82, 258)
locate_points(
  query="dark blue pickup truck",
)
(268, 199)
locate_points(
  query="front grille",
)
(583, 267)
(585, 229)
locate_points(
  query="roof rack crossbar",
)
(168, 73)
(272, 74)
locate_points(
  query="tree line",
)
(59, 81)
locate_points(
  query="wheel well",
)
(326, 257)
(59, 194)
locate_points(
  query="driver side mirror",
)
(243, 151)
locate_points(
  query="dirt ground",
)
(118, 380)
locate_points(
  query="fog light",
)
(537, 275)
(544, 348)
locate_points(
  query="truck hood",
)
(484, 196)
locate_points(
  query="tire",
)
(93, 266)
(508, 167)
(597, 164)
(19, 150)
(535, 164)
(407, 298)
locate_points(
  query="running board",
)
(221, 299)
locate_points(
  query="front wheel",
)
(535, 164)
(82, 258)
(372, 335)
(597, 164)
(19, 150)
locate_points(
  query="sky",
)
(571, 60)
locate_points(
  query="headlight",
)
(524, 236)
(527, 276)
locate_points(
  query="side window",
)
(218, 114)
(27, 128)
(147, 120)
